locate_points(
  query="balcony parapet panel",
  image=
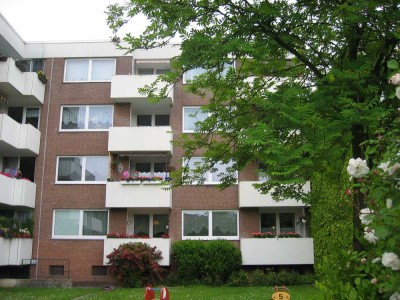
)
(14, 250)
(273, 251)
(137, 195)
(18, 139)
(250, 197)
(17, 192)
(140, 139)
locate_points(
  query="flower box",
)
(22, 65)
(42, 77)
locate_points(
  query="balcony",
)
(137, 194)
(273, 251)
(18, 139)
(20, 88)
(17, 192)
(14, 250)
(125, 88)
(140, 139)
(250, 197)
(164, 245)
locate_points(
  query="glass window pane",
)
(193, 163)
(94, 223)
(162, 120)
(144, 169)
(96, 168)
(66, 222)
(195, 223)
(191, 74)
(145, 71)
(16, 113)
(143, 120)
(224, 223)
(162, 71)
(37, 65)
(32, 117)
(221, 169)
(10, 165)
(141, 225)
(100, 117)
(73, 117)
(268, 223)
(102, 69)
(286, 222)
(77, 70)
(192, 115)
(159, 169)
(160, 225)
(69, 169)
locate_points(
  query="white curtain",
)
(103, 69)
(224, 223)
(73, 117)
(100, 117)
(94, 223)
(77, 70)
(66, 222)
(191, 116)
(195, 223)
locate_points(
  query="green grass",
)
(304, 292)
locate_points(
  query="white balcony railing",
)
(126, 87)
(163, 245)
(140, 139)
(273, 251)
(17, 192)
(18, 139)
(14, 250)
(250, 197)
(137, 194)
(23, 87)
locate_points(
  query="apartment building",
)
(94, 150)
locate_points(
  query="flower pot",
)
(42, 78)
(21, 65)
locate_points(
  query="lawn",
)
(305, 292)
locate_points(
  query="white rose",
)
(357, 168)
(391, 260)
(389, 203)
(369, 235)
(365, 216)
(395, 296)
(395, 79)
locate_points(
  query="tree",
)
(309, 88)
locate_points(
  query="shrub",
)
(190, 258)
(285, 277)
(223, 258)
(259, 278)
(237, 279)
(209, 262)
(135, 264)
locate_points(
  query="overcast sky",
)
(62, 20)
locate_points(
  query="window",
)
(191, 74)
(152, 120)
(262, 176)
(212, 176)
(25, 115)
(84, 118)
(149, 169)
(79, 223)
(83, 70)
(210, 224)
(191, 117)
(99, 270)
(82, 169)
(32, 65)
(277, 222)
(151, 71)
(152, 225)
(55, 270)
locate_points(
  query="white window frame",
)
(79, 236)
(295, 211)
(210, 236)
(87, 110)
(183, 118)
(208, 175)
(89, 75)
(82, 181)
(131, 227)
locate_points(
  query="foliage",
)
(135, 264)
(331, 223)
(270, 277)
(15, 228)
(240, 278)
(211, 262)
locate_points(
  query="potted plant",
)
(3, 57)
(42, 77)
(22, 65)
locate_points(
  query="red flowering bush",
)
(135, 264)
(263, 235)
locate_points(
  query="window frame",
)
(203, 70)
(89, 71)
(183, 118)
(87, 115)
(278, 219)
(210, 225)
(83, 169)
(131, 223)
(80, 236)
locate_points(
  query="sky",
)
(63, 20)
